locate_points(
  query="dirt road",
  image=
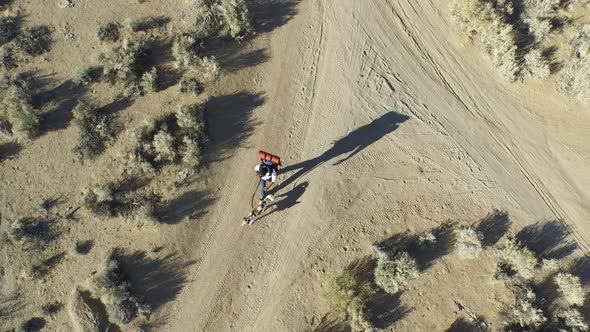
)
(387, 120)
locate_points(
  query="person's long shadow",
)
(351, 144)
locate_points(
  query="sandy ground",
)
(387, 121)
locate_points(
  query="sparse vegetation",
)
(16, 108)
(34, 40)
(570, 291)
(117, 200)
(108, 32)
(347, 287)
(84, 77)
(235, 18)
(30, 233)
(357, 317)
(575, 79)
(536, 64)
(523, 313)
(116, 292)
(394, 274)
(178, 139)
(468, 243)
(186, 50)
(96, 128)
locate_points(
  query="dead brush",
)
(97, 129)
(113, 287)
(119, 199)
(468, 243)
(16, 108)
(108, 32)
(34, 40)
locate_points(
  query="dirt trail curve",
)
(375, 105)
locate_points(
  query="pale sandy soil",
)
(387, 121)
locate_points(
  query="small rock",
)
(65, 4)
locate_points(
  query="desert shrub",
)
(571, 320)
(347, 287)
(7, 58)
(235, 18)
(108, 32)
(536, 64)
(549, 265)
(190, 85)
(575, 79)
(581, 43)
(97, 129)
(34, 324)
(116, 292)
(538, 28)
(30, 233)
(516, 261)
(16, 108)
(177, 138)
(468, 243)
(541, 7)
(357, 316)
(570, 291)
(128, 64)
(84, 77)
(8, 29)
(480, 19)
(82, 247)
(186, 50)
(34, 40)
(394, 275)
(426, 239)
(524, 313)
(114, 199)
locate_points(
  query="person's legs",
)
(261, 186)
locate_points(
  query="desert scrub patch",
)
(176, 139)
(86, 76)
(482, 21)
(536, 64)
(468, 243)
(16, 108)
(570, 319)
(97, 128)
(394, 274)
(9, 27)
(190, 85)
(34, 40)
(514, 261)
(357, 316)
(574, 79)
(113, 287)
(524, 314)
(119, 199)
(234, 17)
(31, 233)
(128, 64)
(186, 49)
(569, 291)
(7, 58)
(347, 287)
(108, 32)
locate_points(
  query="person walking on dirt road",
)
(267, 175)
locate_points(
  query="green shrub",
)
(116, 292)
(570, 291)
(16, 108)
(108, 32)
(536, 64)
(357, 316)
(235, 18)
(516, 261)
(523, 313)
(190, 85)
(185, 49)
(84, 77)
(34, 40)
(96, 129)
(394, 275)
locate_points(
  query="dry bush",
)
(84, 77)
(536, 64)
(30, 233)
(8, 29)
(128, 64)
(575, 79)
(177, 139)
(108, 32)
(190, 85)
(116, 292)
(523, 313)
(581, 43)
(16, 108)
(235, 18)
(538, 8)
(96, 130)
(538, 28)
(394, 274)
(186, 50)
(571, 320)
(34, 40)
(468, 243)
(516, 261)
(481, 20)
(570, 291)
(357, 316)
(353, 283)
(115, 200)
(7, 58)
(426, 239)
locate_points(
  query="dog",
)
(258, 209)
